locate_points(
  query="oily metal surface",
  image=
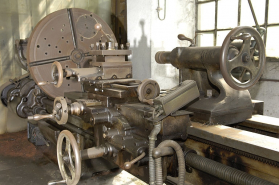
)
(260, 145)
(236, 151)
(64, 36)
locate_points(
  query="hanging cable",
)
(159, 9)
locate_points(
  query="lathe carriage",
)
(80, 94)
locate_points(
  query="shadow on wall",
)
(141, 57)
(9, 32)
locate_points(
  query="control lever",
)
(128, 165)
(38, 117)
(99, 27)
(42, 83)
(183, 37)
(259, 29)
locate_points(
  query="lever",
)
(259, 29)
(128, 165)
(99, 27)
(183, 37)
(42, 83)
(38, 117)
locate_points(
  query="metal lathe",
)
(80, 94)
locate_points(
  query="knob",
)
(183, 37)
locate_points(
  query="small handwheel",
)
(148, 89)
(244, 60)
(68, 156)
(57, 74)
(60, 110)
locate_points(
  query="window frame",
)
(215, 30)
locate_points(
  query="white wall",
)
(268, 91)
(148, 35)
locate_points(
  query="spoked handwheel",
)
(57, 74)
(244, 60)
(69, 159)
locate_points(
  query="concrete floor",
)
(21, 163)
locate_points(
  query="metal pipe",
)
(222, 171)
(181, 162)
(152, 139)
(48, 61)
(163, 151)
(268, 80)
(253, 14)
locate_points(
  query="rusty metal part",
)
(219, 154)
(223, 172)
(243, 59)
(128, 165)
(68, 158)
(253, 143)
(236, 151)
(54, 39)
(148, 89)
(20, 46)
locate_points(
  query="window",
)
(215, 19)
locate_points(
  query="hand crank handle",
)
(42, 83)
(183, 37)
(38, 117)
(128, 165)
(56, 182)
